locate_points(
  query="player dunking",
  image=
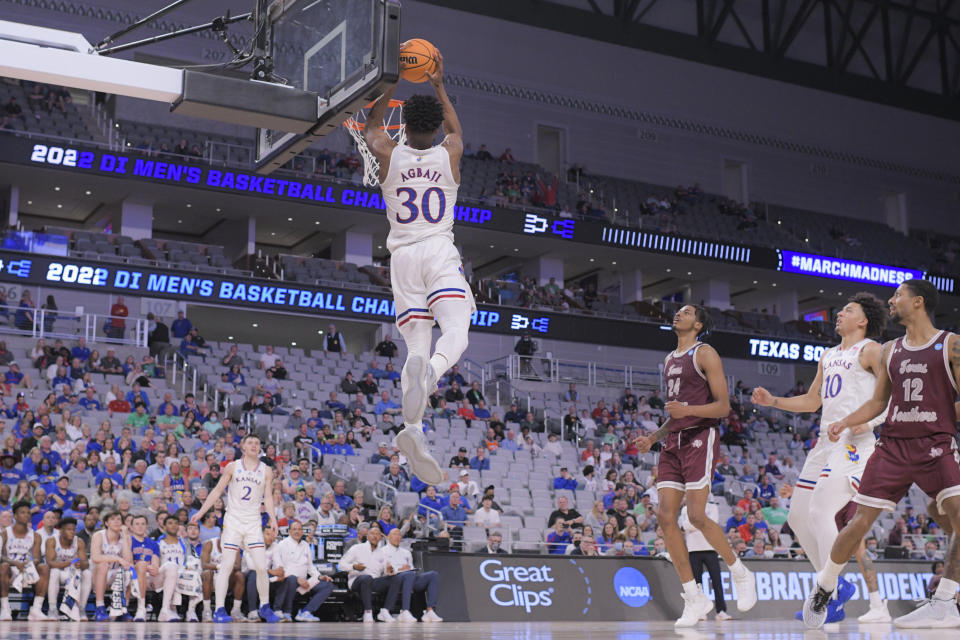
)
(846, 378)
(917, 444)
(697, 396)
(419, 182)
(248, 483)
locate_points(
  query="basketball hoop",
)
(392, 125)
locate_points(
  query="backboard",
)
(345, 51)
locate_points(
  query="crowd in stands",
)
(93, 433)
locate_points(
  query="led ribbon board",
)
(851, 270)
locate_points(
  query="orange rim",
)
(351, 122)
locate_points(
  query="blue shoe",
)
(221, 615)
(125, 618)
(845, 591)
(101, 615)
(835, 612)
(267, 614)
(798, 615)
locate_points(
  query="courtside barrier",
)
(485, 588)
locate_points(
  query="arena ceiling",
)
(901, 53)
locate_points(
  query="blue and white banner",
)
(840, 269)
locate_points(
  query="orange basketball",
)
(417, 58)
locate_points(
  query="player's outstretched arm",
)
(218, 491)
(451, 123)
(807, 403)
(872, 407)
(709, 362)
(380, 144)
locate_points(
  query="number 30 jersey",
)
(420, 194)
(245, 493)
(845, 387)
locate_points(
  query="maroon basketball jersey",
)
(688, 384)
(922, 390)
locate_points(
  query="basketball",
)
(417, 58)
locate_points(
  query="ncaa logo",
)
(632, 587)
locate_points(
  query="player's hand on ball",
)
(761, 397)
(677, 409)
(436, 78)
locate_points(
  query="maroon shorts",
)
(933, 463)
(845, 515)
(688, 458)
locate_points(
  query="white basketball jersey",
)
(245, 493)
(175, 552)
(108, 548)
(420, 194)
(19, 549)
(65, 554)
(44, 536)
(846, 386)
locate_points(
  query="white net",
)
(392, 124)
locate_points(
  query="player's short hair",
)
(703, 317)
(422, 114)
(248, 436)
(925, 290)
(67, 521)
(875, 310)
(139, 516)
(110, 515)
(20, 505)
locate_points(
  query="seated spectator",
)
(386, 405)
(588, 546)
(480, 412)
(344, 502)
(563, 512)
(565, 480)
(494, 544)
(486, 515)
(553, 446)
(480, 462)
(559, 538)
(16, 378)
(744, 502)
(348, 386)
(766, 490)
(460, 460)
(368, 387)
(364, 573)
(771, 467)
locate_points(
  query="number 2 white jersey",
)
(420, 194)
(846, 386)
(245, 493)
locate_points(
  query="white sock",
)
(37, 602)
(5, 603)
(946, 590)
(828, 577)
(206, 606)
(690, 588)
(738, 568)
(875, 601)
(100, 603)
